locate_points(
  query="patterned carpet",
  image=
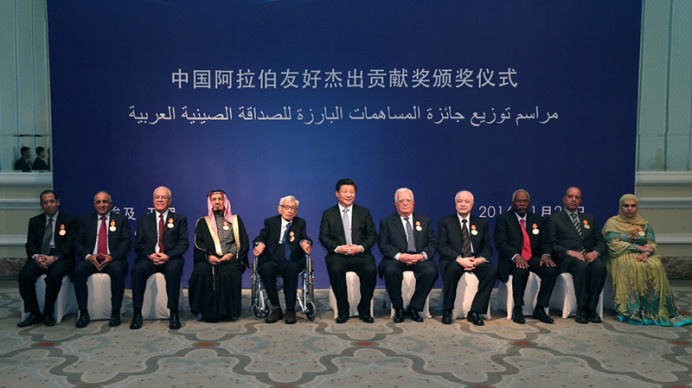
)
(321, 353)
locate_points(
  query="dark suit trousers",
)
(172, 270)
(289, 270)
(117, 270)
(520, 276)
(27, 283)
(451, 274)
(425, 273)
(364, 267)
(589, 280)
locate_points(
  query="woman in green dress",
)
(641, 292)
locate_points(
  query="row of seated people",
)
(568, 241)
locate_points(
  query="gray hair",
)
(403, 189)
(289, 198)
(514, 195)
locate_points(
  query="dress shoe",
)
(290, 317)
(581, 316)
(83, 320)
(115, 320)
(274, 316)
(341, 318)
(367, 318)
(475, 318)
(32, 319)
(447, 317)
(49, 319)
(136, 321)
(518, 315)
(415, 316)
(398, 315)
(174, 323)
(539, 313)
(592, 316)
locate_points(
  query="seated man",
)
(103, 242)
(578, 248)
(221, 247)
(160, 242)
(50, 247)
(347, 232)
(406, 248)
(464, 245)
(280, 248)
(521, 239)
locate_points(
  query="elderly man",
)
(347, 232)
(103, 242)
(160, 243)
(578, 248)
(50, 247)
(464, 245)
(221, 247)
(406, 247)
(280, 248)
(521, 240)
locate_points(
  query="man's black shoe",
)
(475, 318)
(398, 315)
(83, 320)
(136, 321)
(341, 318)
(115, 320)
(415, 315)
(49, 319)
(447, 317)
(581, 317)
(518, 315)
(539, 313)
(174, 322)
(274, 316)
(32, 319)
(367, 318)
(592, 316)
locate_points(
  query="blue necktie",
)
(284, 240)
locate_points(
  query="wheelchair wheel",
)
(260, 313)
(310, 310)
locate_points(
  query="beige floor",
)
(322, 353)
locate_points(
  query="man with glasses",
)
(50, 247)
(280, 248)
(160, 242)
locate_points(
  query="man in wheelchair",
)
(280, 249)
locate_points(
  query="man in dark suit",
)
(103, 242)
(50, 251)
(160, 242)
(578, 248)
(406, 247)
(521, 240)
(23, 164)
(40, 163)
(464, 246)
(347, 232)
(280, 248)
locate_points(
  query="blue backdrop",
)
(269, 98)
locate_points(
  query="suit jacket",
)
(563, 236)
(40, 164)
(509, 239)
(362, 230)
(204, 244)
(174, 239)
(270, 236)
(64, 244)
(119, 242)
(23, 165)
(449, 242)
(392, 237)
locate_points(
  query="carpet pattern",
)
(252, 353)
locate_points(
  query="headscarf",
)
(226, 210)
(621, 223)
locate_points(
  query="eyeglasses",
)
(291, 208)
(626, 205)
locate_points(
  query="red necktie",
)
(162, 248)
(102, 247)
(526, 245)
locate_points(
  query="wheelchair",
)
(305, 296)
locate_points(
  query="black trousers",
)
(364, 267)
(54, 274)
(425, 273)
(117, 270)
(520, 276)
(270, 269)
(589, 279)
(172, 270)
(451, 274)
